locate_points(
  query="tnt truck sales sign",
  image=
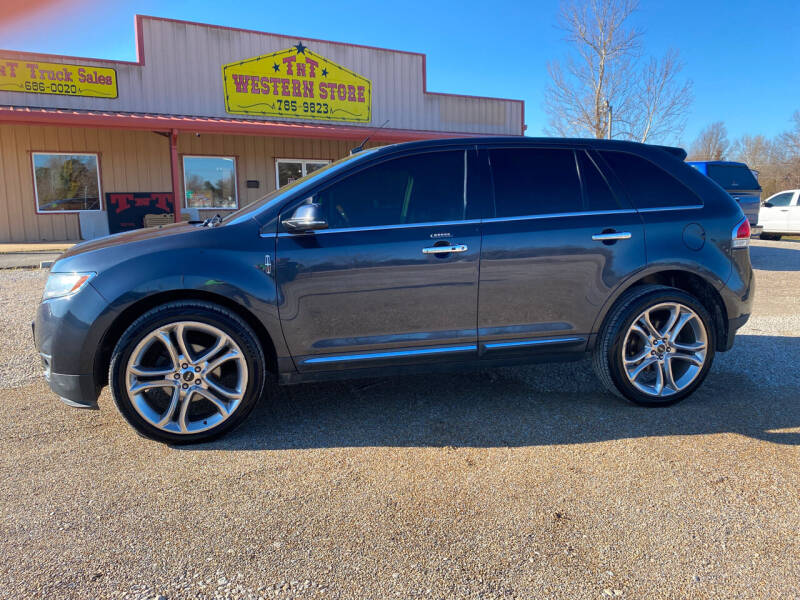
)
(36, 77)
(296, 83)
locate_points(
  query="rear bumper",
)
(733, 326)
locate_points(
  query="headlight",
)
(64, 284)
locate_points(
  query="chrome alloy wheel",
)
(186, 377)
(665, 349)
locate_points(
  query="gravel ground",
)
(515, 483)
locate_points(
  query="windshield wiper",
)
(211, 221)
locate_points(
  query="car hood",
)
(128, 237)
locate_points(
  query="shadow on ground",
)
(525, 406)
(775, 258)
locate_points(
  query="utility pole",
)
(609, 112)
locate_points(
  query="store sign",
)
(35, 77)
(126, 210)
(296, 83)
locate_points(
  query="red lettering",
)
(308, 89)
(323, 91)
(254, 84)
(12, 69)
(301, 69)
(32, 67)
(163, 201)
(142, 201)
(342, 91)
(239, 80)
(289, 61)
(285, 87)
(121, 201)
(265, 85)
(361, 93)
(312, 67)
(351, 93)
(296, 88)
(68, 75)
(275, 81)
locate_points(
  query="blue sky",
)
(741, 55)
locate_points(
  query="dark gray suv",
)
(438, 254)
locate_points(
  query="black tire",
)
(197, 311)
(607, 358)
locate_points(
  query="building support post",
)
(176, 173)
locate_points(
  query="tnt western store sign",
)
(206, 120)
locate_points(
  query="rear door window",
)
(733, 177)
(784, 199)
(534, 181)
(648, 185)
(597, 195)
(422, 188)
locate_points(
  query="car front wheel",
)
(656, 347)
(187, 372)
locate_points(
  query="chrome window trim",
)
(587, 213)
(537, 342)
(389, 354)
(668, 208)
(384, 227)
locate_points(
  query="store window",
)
(210, 181)
(66, 182)
(288, 170)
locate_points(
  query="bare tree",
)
(711, 144)
(605, 78)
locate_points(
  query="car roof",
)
(536, 141)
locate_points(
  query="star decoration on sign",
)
(324, 72)
(276, 67)
(300, 48)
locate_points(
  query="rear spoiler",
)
(675, 151)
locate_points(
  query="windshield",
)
(294, 185)
(733, 177)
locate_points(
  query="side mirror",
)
(306, 217)
(768, 204)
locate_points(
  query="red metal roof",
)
(157, 122)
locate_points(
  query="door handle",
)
(443, 249)
(611, 236)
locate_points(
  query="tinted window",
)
(647, 185)
(531, 181)
(415, 189)
(781, 199)
(733, 177)
(596, 193)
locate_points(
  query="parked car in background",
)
(425, 255)
(780, 215)
(738, 180)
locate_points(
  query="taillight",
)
(741, 234)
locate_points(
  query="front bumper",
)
(65, 335)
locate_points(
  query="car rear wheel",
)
(187, 372)
(656, 347)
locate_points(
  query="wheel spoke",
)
(233, 394)
(146, 385)
(678, 327)
(642, 366)
(690, 347)
(150, 371)
(220, 404)
(222, 359)
(632, 360)
(649, 327)
(674, 313)
(171, 350)
(222, 341)
(186, 398)
(173, 404)
(659, 386)
(180, 331)
(670, 376)
(688, 358)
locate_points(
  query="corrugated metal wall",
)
(182, 76)
(130, 161)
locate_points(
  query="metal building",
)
(211, 116)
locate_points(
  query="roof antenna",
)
(360, 147)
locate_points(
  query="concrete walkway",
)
(31, 255)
